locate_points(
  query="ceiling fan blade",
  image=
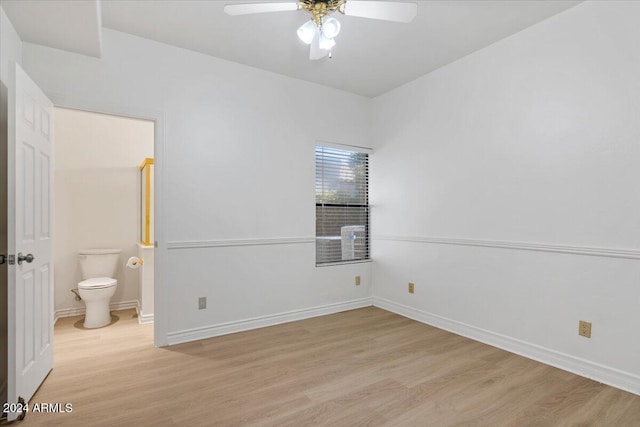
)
(249, 8)
(315, 52)
(384, 10)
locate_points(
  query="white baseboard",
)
(79, 311)
(604, 374)
(264, 321)
(143, 319)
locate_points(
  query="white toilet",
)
(98, 267)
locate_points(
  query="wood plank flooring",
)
(362, 367)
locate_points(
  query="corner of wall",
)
(10, 45)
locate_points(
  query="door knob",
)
(28, 257)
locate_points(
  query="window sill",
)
(332, 264)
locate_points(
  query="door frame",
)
(160, 318)
(4, 242)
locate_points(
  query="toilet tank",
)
(98, 262)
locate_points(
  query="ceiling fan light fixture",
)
(316, 52)
(307, 31)
(326, 43)
(330, 27)
(320, 32)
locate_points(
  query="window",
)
(342, 205)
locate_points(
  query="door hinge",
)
(9, 259)
(20, 407)
(22, 404)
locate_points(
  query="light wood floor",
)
(362, 367)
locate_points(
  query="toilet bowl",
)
(96, 294)
(98, 267)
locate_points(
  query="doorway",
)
(98, 193)
(4, 244)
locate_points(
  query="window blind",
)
(342, 205)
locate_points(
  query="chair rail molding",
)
(524, 246)
(189, 244)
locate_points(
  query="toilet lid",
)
(97, 283)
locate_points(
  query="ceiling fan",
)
(321, 30)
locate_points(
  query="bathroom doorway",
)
(103, 188)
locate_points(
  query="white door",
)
(30, 293)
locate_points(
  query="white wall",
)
(97, 195)
(238, 164)
(531, 140)
(10, 46)
(535, 139)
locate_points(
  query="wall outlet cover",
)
(584, 329)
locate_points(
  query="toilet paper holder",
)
(134, 262)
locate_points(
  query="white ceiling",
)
(371, 57)
(63, 24)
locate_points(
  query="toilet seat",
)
(97, 283)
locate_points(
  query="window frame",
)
(366, 207)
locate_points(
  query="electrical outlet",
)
(202, 303)
(357, 280)
(584, 329)
(411, 287)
